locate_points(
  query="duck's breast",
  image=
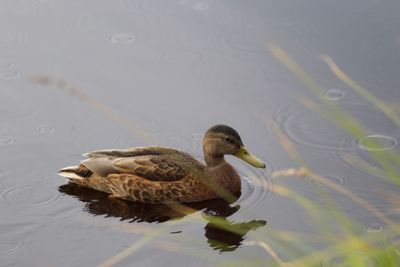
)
(226, 176)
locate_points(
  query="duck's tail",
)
(83, 176)
(75, 172)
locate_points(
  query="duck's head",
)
(222, 140)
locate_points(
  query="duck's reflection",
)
(222, 234)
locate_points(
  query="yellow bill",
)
(245, 155)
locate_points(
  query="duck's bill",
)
(245, 155)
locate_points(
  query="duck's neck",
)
(213, 161)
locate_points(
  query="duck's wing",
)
(151, 163)
(133, 152)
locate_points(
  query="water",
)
(79, 76)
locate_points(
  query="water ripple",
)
(374, 227)
(362, 162)
(122, 38)
(311, 130)
(46, 129)
(384, 142)
(13, 253)
(257, 186)
(332, 178)
(333, 94)
(10, 75)
(30, 195)
(6, 141)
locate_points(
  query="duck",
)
(162, 175)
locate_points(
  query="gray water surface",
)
(77, 76)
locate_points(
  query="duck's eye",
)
(229, 140)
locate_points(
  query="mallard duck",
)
(166, 175)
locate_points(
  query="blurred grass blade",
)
(303, 76)
(96, 104)
(379, 104)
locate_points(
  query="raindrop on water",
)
(333, 94)
(377, 142)
(122, 38)
(6, 141)
(374, 227)
(9, 75)
(46, 130)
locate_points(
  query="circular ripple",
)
(257, 186)
(311, 130)
(122, 38)
(12, 253)
(30, 195)
(6, 141)
(374, 227)
(10, 75)
(333, 94)
(332, 178)
(383, 142)
(46, 130)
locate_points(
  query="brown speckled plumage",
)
(162, 175)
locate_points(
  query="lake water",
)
(77, 76)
